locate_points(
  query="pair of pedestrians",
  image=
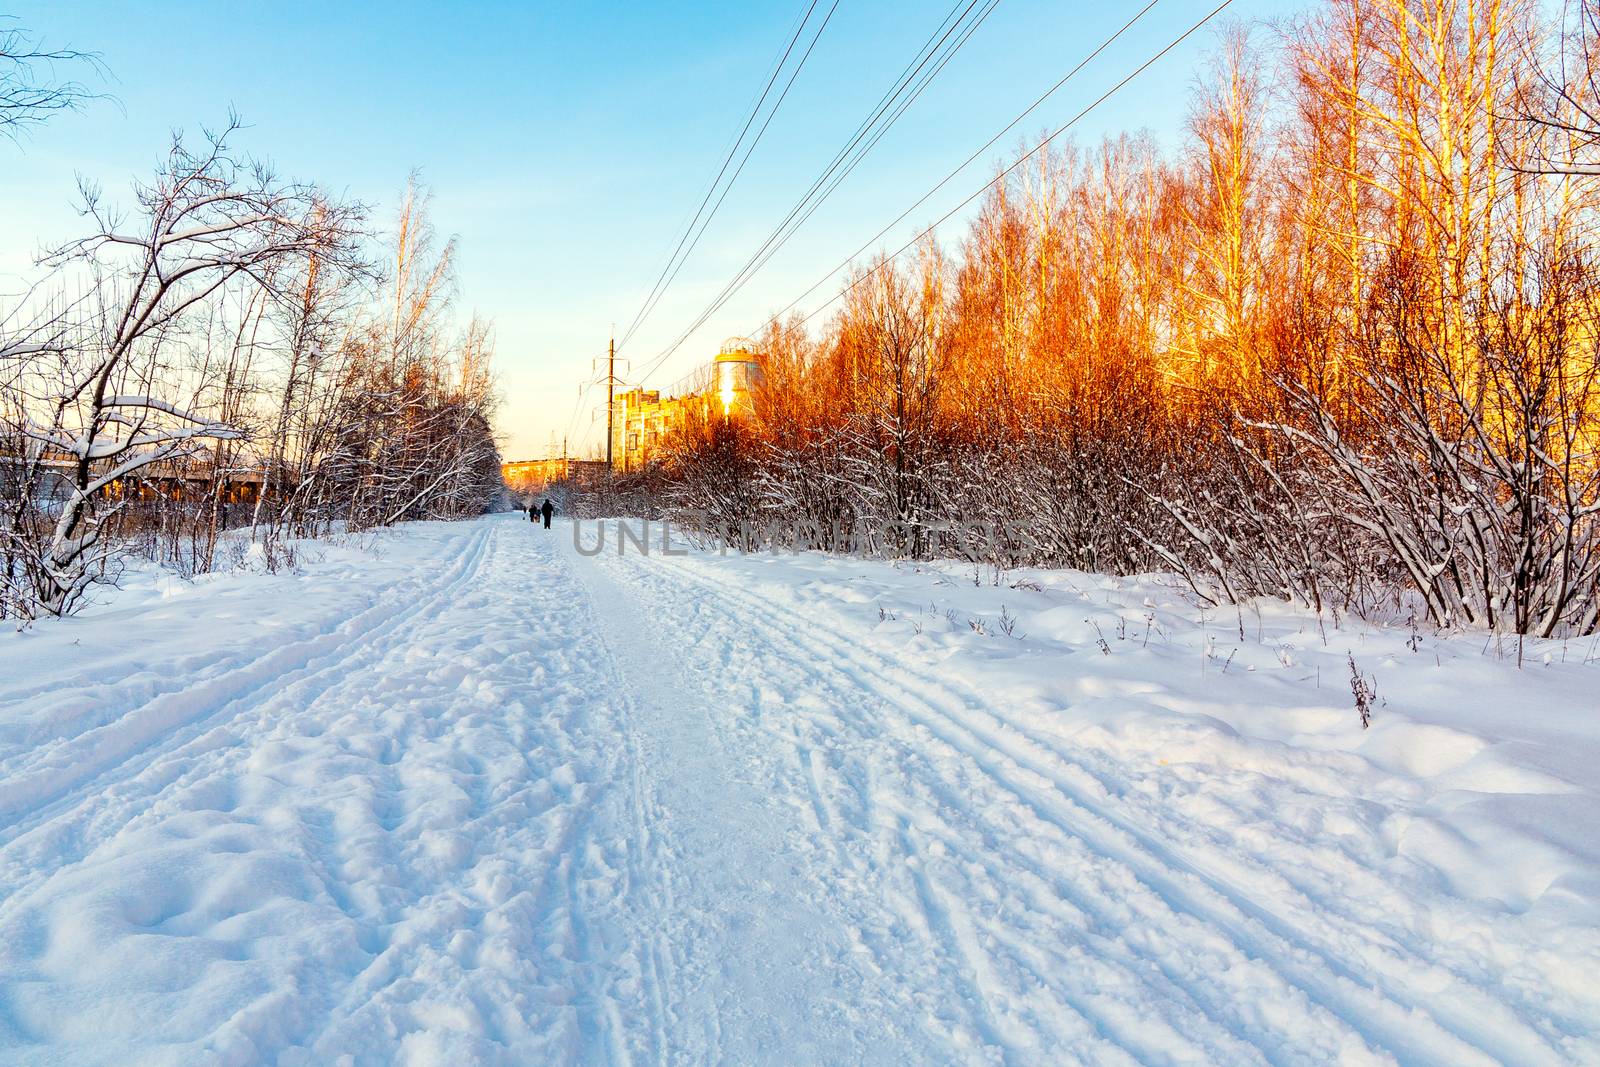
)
(546, 511)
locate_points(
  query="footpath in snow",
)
(463, 794)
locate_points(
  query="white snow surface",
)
(464, 795)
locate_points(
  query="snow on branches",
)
(97, 377)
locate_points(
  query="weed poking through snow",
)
(1365, 691)
(1100, 638)
(1008, 624)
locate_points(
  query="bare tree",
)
(414, 435)
(100, 394)
(30, 92)
(1561, 94)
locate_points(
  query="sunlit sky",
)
(565, 144)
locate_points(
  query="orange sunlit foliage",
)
(1338, 344)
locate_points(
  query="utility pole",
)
(611, 404)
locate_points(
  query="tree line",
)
(229, 328)
(1340, 345)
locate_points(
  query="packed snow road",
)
(468, 795)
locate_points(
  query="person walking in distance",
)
(548, 510)
(533, 512)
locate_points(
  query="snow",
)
(462, 794)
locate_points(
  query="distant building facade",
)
(644, 418)
(191, 478)
(535, 475)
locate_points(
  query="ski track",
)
(412, 777)
(175, 716)
(532, 806)
(1390, 1001)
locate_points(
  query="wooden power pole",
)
(611, 404)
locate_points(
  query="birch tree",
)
(99, 394)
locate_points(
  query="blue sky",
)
(566, 143)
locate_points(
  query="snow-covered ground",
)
(465, 795)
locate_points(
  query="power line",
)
(883, 105)
(964, 164)
(726, 189)
(691, 236)
(733, 148)
(853, 164)
(663, 279)
(852, 153)
(755, 107)
(997, 178)
(583, 394)
(808, 204)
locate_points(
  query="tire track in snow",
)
(644, 855)
(673, 997)
(953, 936)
